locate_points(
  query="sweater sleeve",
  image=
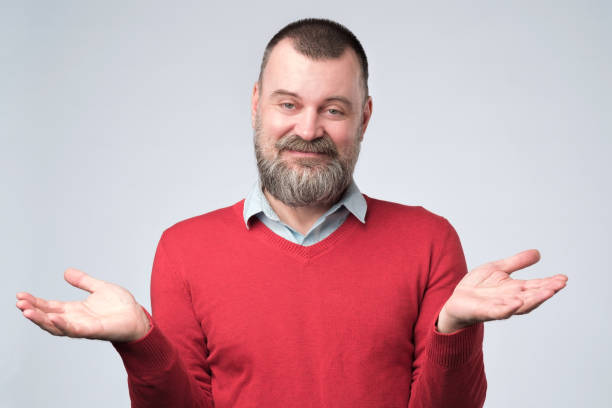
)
(448, 369)
(167, 367)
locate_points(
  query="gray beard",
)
(308, 181)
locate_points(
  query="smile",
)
(304, 154)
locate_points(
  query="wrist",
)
(142, 326)
(146, 324)
(447, 324)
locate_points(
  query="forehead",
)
(289, 70)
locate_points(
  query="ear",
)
(254, 103)
(365, 117)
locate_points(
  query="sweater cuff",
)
(149, 354)
(451, 350)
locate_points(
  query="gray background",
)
(119, 119)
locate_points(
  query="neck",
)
(300, 219)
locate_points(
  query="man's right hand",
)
(110, 312)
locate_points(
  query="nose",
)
(308, 126)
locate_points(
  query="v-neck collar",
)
(259, 230)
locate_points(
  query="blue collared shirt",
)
(352, 201)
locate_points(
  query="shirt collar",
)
(256, 202)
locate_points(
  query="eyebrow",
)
(335, 98)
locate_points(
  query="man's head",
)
(319, 39)
(310, 108)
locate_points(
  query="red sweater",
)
(245, 318)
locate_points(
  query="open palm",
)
(489, 293)
(110, 312)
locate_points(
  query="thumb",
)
(81, 280)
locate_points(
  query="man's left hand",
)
(489, 293)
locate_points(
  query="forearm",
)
(157, 377)
(453, 372)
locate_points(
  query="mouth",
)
(304, 154)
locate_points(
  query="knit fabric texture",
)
(245, 318)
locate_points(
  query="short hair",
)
(319, 38)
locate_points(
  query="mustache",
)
(323, 145)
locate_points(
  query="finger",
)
(26, 296)
(554, 282)
(42, 320)
(24, 305)
(32, 302)
(81, 280)
(504, 309)
(516, 262)
(532, 300)
(63, 325)
(72, 328)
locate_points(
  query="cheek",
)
(343, 135)
(273, 128)
(276, 125)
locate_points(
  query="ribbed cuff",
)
(451, 350)
(149, 354)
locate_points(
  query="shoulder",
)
(205, 225)
(400, 216)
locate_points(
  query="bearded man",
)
(307, 293)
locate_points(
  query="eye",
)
(288, 105)
(335, 112)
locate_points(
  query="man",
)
(307, 293)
